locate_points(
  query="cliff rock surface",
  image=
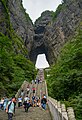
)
(39, 45)
(4, 19)
(21, 22)
(49, 33)
(53, 30)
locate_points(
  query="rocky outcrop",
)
(64, 26)
(39, 45)
(13, 16)
(21, 22)
(51, 35)
(4, 19)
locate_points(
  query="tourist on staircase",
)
(26, 103)
(22, 93)
(33, 89)
(43, 102)
(33, 101)
(10, 109)
(35, 81)
(38, 102)
(32, 81)
(19, 101)
(1, 103)
(5, 102)
(28, 89)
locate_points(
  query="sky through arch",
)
(41, 62)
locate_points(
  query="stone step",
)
(34, 113)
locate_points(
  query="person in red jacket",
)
(33, 89)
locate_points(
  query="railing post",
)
(59, 106)
(71, 115)
(64, 113)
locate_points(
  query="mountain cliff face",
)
(53, 30)
(21, 22)
(4, 19)
(49, 33)
(64, 26)
(13, 14)
(18, 35)
(39, 45)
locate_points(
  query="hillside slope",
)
(65, 80)
(14, 65)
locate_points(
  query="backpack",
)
(9, 105)
(33, 97)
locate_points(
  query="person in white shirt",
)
(10, 109)
(19, 101)
(26, 103)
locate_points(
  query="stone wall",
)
(59, 112)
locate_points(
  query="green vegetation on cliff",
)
(65, 80)
(15, 67)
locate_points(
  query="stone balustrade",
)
(23, 87)
(58, 111)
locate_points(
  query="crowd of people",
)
(24, 100)
(35, 101)
(9, 104)
(36, 81)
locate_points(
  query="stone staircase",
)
(34, 113)
(54, 111)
